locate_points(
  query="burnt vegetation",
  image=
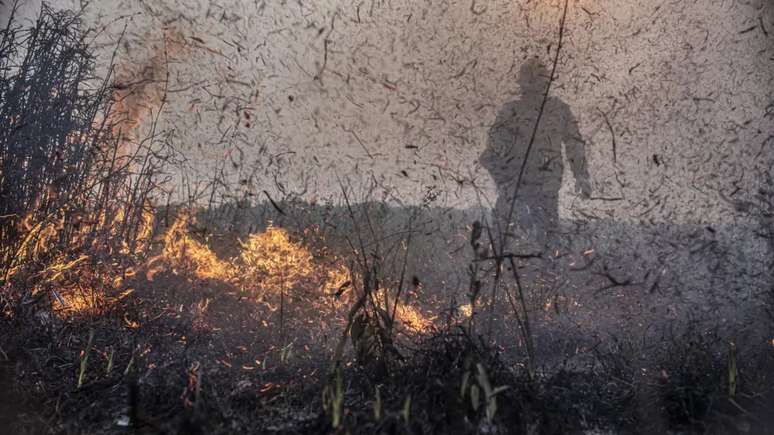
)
(123, 313)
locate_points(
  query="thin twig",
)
(612, 133)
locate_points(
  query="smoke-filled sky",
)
(672, 98)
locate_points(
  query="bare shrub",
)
(73, 194)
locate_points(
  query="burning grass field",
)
(273, 331)
(261, 325)
(122, 315)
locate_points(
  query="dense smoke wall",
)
(672, 99)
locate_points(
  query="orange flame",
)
(406, 315)
(189, 255)
(267, 263)
(73, 282)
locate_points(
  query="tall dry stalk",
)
(69, 186)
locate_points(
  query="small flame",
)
(273, 259)
(406, 315)
(465, 310)
(189, 255)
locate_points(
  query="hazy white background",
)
(414, 85)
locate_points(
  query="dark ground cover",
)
(194, 387)
(199, 355)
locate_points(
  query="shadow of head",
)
(533, 77)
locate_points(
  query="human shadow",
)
(603, 277)
(529, 135)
